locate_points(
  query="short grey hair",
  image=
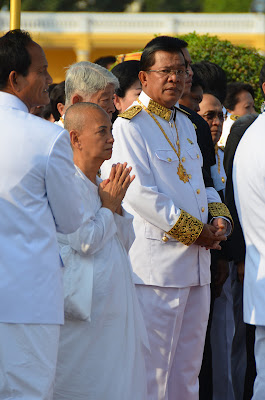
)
(86, 78)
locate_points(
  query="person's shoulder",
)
(195, 118)
(131, 112)
(44, 126)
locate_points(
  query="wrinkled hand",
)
(221, 225)
(222, 272)
(241, 271)
(209, 238)
(112, 190)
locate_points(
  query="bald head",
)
(78, 114)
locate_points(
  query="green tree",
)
(238, 6)
(172, 6)
(71, 5)
(240, 63)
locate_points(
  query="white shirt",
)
(37, 197)
(249, 189)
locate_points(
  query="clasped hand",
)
(113, 189)
(212, 234)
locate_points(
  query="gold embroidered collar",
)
(159, 110)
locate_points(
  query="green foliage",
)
(240, 63)
(230, 6)
(172, 6)
(74, 5)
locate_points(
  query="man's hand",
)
(113, 189)
(221, 225)
(209, 239)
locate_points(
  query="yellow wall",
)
(64, 49)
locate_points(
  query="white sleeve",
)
(143, 195)
(62, 191)
(125, 228)
(94, 232)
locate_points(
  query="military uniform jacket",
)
(159, 200)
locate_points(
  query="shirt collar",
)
(155, 108)
(9, 100)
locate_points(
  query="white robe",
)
(102, 359)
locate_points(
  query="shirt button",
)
(203, 209)
(198, 191)
(189, 176)
(183, 159)
(198, 156)
(165, 238)
(223, 179)
(169, 159)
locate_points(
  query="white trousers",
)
(176, 322)
(259, 385)
(28, 355)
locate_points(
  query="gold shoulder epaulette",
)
(234, 117)
(184, 111)
(131, 112)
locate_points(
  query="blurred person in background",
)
(239, 101)
(129, 84)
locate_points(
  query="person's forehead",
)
(210, 102)
(99, 116)
(108, 91)
(165, 57)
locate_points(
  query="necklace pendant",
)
(183, 176)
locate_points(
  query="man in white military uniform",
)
(170, 206)
(38, 195)
(248, 180)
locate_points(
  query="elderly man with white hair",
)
(89, 82)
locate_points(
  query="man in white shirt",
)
(168, 199)
(38, 196)
(248, 182)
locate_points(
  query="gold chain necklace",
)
(182, 173)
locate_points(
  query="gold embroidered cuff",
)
(220, 210)
(187, 229)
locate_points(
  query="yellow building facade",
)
(72, 37)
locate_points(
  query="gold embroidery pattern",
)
(159, 110)
(234, 117)
(131, 112)
(187, 229)
(220, 210)
(182, 173)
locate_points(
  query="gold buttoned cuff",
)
(220, 210)
(187, 229)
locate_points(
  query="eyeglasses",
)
(169, 72)
(211, 115)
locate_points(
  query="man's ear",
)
(74, 139)
(143, 77)
(60, 108)
(117, 102)
(14, 81)
(76, 98)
